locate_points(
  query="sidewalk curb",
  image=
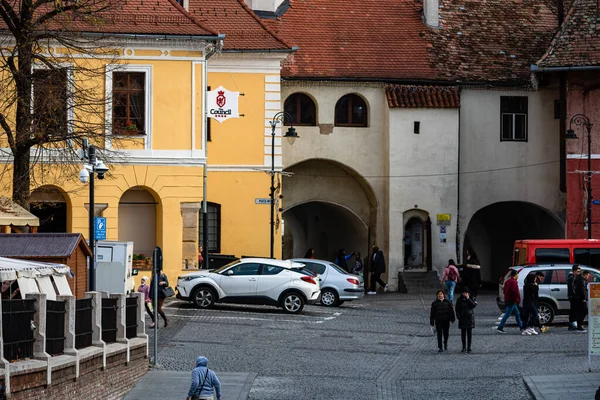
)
(533, 390)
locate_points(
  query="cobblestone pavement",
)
(380, 347)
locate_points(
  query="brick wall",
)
(93, 383)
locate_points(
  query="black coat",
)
(161, 288)
(531, 294)
(378, 263)
(465, 313)
(441, 310)
(580, 289)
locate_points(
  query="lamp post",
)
(93, 167)
(291, 136)
(580, 119)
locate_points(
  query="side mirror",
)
(229, 272)
(134, 272)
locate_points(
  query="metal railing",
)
(131, 317)
(83, 323)
(55, 327)
(17, 328)
(109, 320)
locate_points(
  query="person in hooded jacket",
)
(466, 319)
(440, 316)
(575, 271)
(473, 274)
(204, 382)
(531, 302)
(580, 295)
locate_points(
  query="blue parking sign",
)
(100, 228)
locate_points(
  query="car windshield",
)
(339, 269)
(224, 267)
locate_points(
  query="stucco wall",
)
(423, 175)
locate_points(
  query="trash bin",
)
(218, 260)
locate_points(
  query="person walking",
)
(512, 298)
(358, 264)
(163, 283)
(440, 316)
(466, 319)
(204, 382)
(473, 273)
(342, 260)
(377, 268)
(450, 278)
(531, 302)
(580, 295)
(145, 289)
(575, 271)
(310, 253)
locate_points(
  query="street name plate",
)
(262, 201)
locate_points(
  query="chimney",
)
(266, 6)
(431, 13)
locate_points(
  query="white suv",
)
(553, 288)
(266, 281)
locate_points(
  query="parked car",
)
(553, 289)
(252, 281)
(337, 285)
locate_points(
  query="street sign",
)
(596, 202)
(100, 228)
(262, 201)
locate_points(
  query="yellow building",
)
(152, 196)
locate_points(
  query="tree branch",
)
(9, 16)
(8, 131)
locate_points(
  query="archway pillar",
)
(189, 243)
(395, 259)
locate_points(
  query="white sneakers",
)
(385, 289)
(371, 292)
(526, 332)
(532, 330)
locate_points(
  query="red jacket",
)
(511, 291)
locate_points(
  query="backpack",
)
(452, 274)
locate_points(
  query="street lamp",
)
(291, 136)
(580, 119)
(93, 167)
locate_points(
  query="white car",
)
(265, 281)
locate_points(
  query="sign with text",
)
(443, 219)
(262, 201)
(593, 321)
(99, 228)
(222, 104)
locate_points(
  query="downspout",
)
(562, 109)
(208, 55)
(458, 250)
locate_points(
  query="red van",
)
(557, 251)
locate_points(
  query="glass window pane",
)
(291, 108)
(520, 126)
(358, 114)
(559, 276)
(341, 111)
(554, 256)
(507, 126)
(271, 269)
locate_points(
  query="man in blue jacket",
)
(204, 382)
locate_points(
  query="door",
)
(557, 289)
(240, 280)
(271, 280)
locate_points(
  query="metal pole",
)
(156, 260)
(273, 124)
(589, 181)
(92, 272)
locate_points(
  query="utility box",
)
(114, 272)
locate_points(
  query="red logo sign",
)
(221, 100)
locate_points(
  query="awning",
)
(36, 277)
(13, 214)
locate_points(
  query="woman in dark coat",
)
(440, 316)
(466, 319)
(472, 274)
(163, 283)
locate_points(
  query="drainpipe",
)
(204, 170)
(458, 250)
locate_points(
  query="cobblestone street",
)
(378, 348)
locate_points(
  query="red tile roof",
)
(410, 96)
(154, 17)
(578, 41)
(354, 39)
(242, 28)
(491, 40)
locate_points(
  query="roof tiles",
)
(578, 41)
(411, 96)
(48, 245)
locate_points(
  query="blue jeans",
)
(450, 284)
(510, 307)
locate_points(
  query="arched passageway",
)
(138, 210)
(492, 231)
(326, 228)
(51, 206)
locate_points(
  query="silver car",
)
(337, 285)
(552, 289)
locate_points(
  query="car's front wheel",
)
(546, 313)
(204, 297)
(329, 298)
(292, 303)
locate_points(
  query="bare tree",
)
(52, 60)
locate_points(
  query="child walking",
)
(440, 316)
(466, 319)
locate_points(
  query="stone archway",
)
(492, 231)
(139, 216)
(53, 207)
(328, 206)
(417, 239)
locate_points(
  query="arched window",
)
(351, 110)
(302, 110)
